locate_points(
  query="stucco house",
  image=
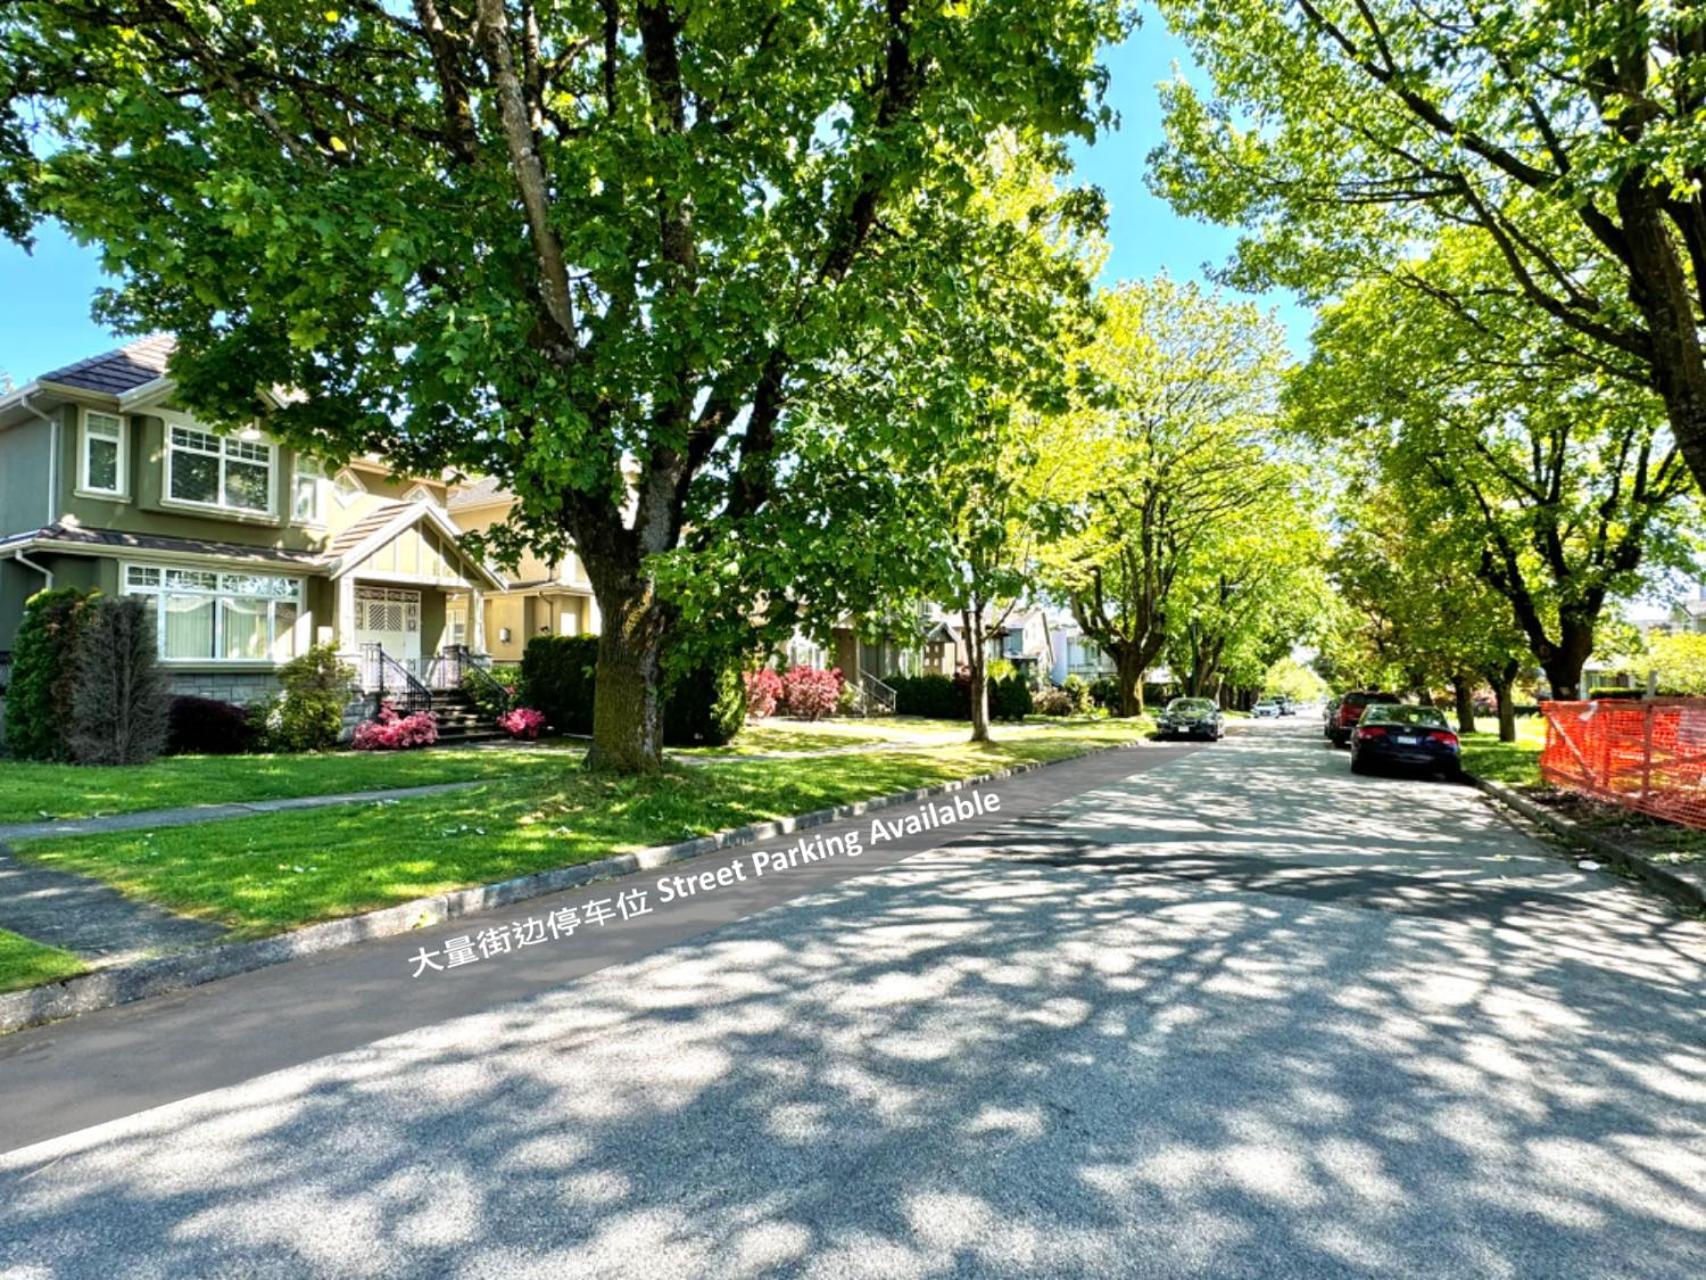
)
(540, 598)
(249, 550)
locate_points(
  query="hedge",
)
(44, 674)
(703, 706)
(938, 697)
(208, 727)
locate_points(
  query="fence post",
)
(1646, 751)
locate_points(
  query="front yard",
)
(1516, 763)
(264, 874)
(31, 792)
(24, 963)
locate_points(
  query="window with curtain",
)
(219, 617)
(218, 471)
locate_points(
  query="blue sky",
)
(46, 322)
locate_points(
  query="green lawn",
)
(30, 792)
(29, 964)
(1513, 763)
(263, 874)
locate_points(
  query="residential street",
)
(1221, 1011)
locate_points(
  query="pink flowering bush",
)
(811, 694)
(763, 692)
(523, 722)
(389, 731)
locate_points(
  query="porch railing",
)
(875, 697)
(388, 680)
(455, 667)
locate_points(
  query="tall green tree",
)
(1568, 136)
(597, 251)
(1167, 444)
(1565, 480)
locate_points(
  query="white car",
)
(1266, 707)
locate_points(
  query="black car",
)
(1192, 718)
(1396, 736)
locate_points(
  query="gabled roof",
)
(354, 545)
(115, 372)
(484, 492)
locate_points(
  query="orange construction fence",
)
(1647, 755)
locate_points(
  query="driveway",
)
(1240, 1014)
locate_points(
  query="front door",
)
(392, 618)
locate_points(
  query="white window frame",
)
(160, 589)
(420, 493)
(317, 519)
(250, 437)
(350, 499)
(122, 440)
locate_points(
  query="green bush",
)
(308, 713)
(118, 712)
(939, 697)
(1105, 693)
(1077, 689)
(44, 674)
(1010, 697)
(558, 674)
(1053, 701)
(495, 695)
(704, 706)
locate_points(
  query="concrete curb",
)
(123, 984)
(1679, 887)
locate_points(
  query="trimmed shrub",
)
(1052, 701)
(523, 722)
(558, 674)
(1078, 690)
(809, 693)
(763, 692)
(704, 706)
(118, 712)
(388, 731)
(938, 697)
(208, 727)
(1010, 697)
(1105, 693)
(308, 715)
(44, 674)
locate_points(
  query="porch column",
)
(476, 620)
(345, 640)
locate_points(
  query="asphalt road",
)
(1237, 1014)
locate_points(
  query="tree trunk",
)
(1463, 690)
(627, 708)
(1563, 662)
(977, 664)
(1131, 666)
(1507, 711)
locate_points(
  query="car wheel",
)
(1357, 765)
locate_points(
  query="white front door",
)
(392, 618)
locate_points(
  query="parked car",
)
(1390, 735)
(1192, 718)
(1265, 709)
(1349, 710)
(1286, 705)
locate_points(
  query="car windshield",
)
(1191, 706)
(1415, 717)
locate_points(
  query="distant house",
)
(1023, 638)
(541, 598)
(248, 550)
(1076, 654)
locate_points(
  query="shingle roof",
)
(480, 493)
(352, 536)
(76, 534)
(119, 371)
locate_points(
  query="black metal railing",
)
(390, 681)
(456, 667)
(5, 669)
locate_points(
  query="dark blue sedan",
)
(1393, 736)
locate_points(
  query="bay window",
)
(209, 616)
(210, 470)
